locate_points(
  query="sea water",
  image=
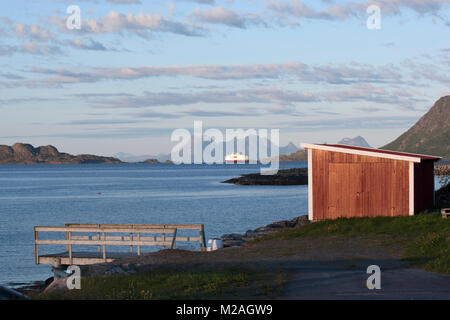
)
(53, 195)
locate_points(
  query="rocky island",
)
(287, 177)
(151, 161)
(21, 153)
(156, 161)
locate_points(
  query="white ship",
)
(236, 157)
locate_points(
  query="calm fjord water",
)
(52, 195)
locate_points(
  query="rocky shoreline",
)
(236, 239)
(287, 177)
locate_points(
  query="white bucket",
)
(214, 244)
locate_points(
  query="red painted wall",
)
(349, 185)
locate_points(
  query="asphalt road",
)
(346, 281)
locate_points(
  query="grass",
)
(426, 238)
(211, 284)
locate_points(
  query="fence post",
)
(164, 237)
(36, 248)
(174, 239)
(202, 236)
(104, 247)
(131, 245)
(66, 237)
(70, 247)
(139, 245)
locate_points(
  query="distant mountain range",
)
(430, 135)
(288, 149)
(356, 142)
(21, 153)
(127, 157)
(301, 155)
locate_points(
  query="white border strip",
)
(360, 152)
(411, 188)
(310, 186)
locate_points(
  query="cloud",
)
(109, 1)
(216, 114)
(86, 44)
(419, 6)
(124, 1)
(428, 72)
(337, 123)
(274, 100)
(88, 122)
(158, 115)
(32, 32)
(368, 93)
(30, 48)
(103, 133)
(195, 113)
(15, 101)
(101, 95)
(153, 99)
(370, 109)
(35, 34)
(141, 24)
(11, 76)
(221, 15)
(333, 124)
(210, 2)
(333, 74)
(299, 9)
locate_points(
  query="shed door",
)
(345, 190)
(365, 189)
(379, 189)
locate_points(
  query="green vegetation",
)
(212, 284)
(426, 238)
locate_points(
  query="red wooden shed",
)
(347, 181)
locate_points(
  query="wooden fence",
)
(131, 235)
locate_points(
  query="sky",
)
(136, 70)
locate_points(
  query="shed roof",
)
(371, 152)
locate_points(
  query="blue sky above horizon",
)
(137, 70)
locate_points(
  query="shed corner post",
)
(434, 188)
(310, 185)
(411, 188)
